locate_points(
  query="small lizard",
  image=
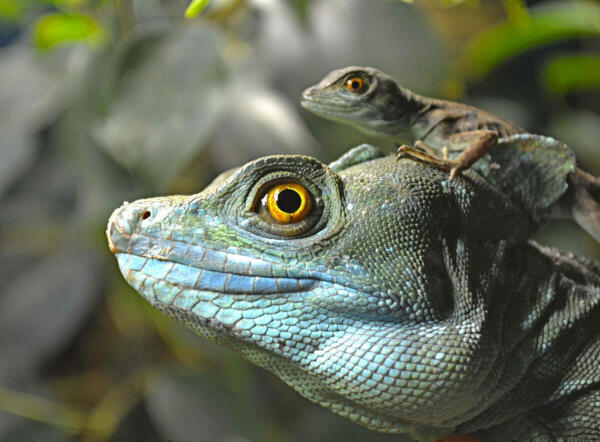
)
(372, 101)
(381, 291)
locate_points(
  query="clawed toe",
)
(420, 155)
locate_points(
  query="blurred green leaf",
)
(195, 8)
(55, 29)
(516, 10)
(452, 2)
(42, 410)
(546, 24)
(11, 9)
(64, 4)
(567, 73)
(15, 10)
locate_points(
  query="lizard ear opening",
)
(357, 155)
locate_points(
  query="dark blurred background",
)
(109, 100)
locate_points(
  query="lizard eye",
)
(287, 202)
(286, 207)
(355, 84)
(283, 205)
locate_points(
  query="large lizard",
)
(371, 101)
(381, 290)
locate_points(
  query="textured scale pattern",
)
(411, 304)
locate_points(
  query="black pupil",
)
(288, 201)
(355, 84)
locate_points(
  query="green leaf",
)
(453, 2)
(15, 10)
(567, 73)
(54, 29)
(545, 25)
(195, 8)
(515, 10)
(11, 9)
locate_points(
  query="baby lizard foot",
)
(427, 158)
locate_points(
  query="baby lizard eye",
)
(355, 84)
(287, 202)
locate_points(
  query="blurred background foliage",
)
(109, 100)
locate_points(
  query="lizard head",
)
(364, 97)
(335, 278)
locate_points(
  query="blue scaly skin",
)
(403, 301)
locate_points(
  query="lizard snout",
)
(122, 223)
(307, 95)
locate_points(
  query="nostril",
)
(146, 214)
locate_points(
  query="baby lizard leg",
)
(478, 143)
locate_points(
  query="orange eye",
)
(355, 84)
(288, 202)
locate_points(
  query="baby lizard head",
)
(364, 97)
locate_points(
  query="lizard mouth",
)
(165, 270)
(318, 102)
(214, 304)
(181, 277)
(217, 293)
(335, 109)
